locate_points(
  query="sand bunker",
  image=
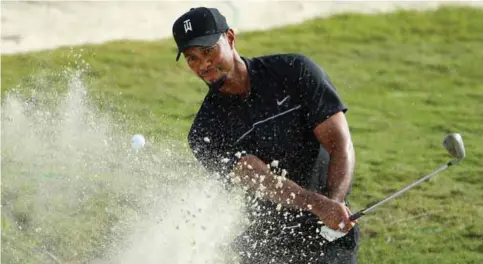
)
(31, 26)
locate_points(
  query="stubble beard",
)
(217, 84)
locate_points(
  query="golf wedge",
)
(453, 143)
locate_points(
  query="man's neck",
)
(238, 83)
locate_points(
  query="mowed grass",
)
(409, 78)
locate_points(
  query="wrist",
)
(337, 197)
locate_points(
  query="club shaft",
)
(403, 190)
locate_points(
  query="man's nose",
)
(206, 64)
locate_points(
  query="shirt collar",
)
(233, 97)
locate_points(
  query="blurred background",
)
(58, 23)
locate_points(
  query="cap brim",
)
(203, 41)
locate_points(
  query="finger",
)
(348, 225)
(348, 210)
(345, 225)
(341, 225)
(336, 225)
(350, 213)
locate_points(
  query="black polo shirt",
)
(289, 96)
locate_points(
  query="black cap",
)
(200, 26)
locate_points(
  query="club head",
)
(454, 145)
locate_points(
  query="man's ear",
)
(230, 38)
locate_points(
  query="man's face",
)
(211, 63)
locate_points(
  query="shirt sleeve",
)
(317, 92)
(210, 148)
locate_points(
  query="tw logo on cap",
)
(187, 26)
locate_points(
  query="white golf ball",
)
(137, 142)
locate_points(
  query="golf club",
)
(454, 145)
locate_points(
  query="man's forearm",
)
(341, 169)
(254, 175)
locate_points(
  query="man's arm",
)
(325, 117)
(334, 135)
(253, 174)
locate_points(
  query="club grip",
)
(356, 216)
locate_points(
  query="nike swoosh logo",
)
(265, 120)
(284, 99)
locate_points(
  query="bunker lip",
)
(28, 26)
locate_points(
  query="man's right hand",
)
(332, 213)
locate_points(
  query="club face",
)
(454, 145)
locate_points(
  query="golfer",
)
(275, 126)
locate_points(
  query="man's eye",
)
(209, 50)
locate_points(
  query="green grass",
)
(408, 79)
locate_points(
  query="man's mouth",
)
(209, 74)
